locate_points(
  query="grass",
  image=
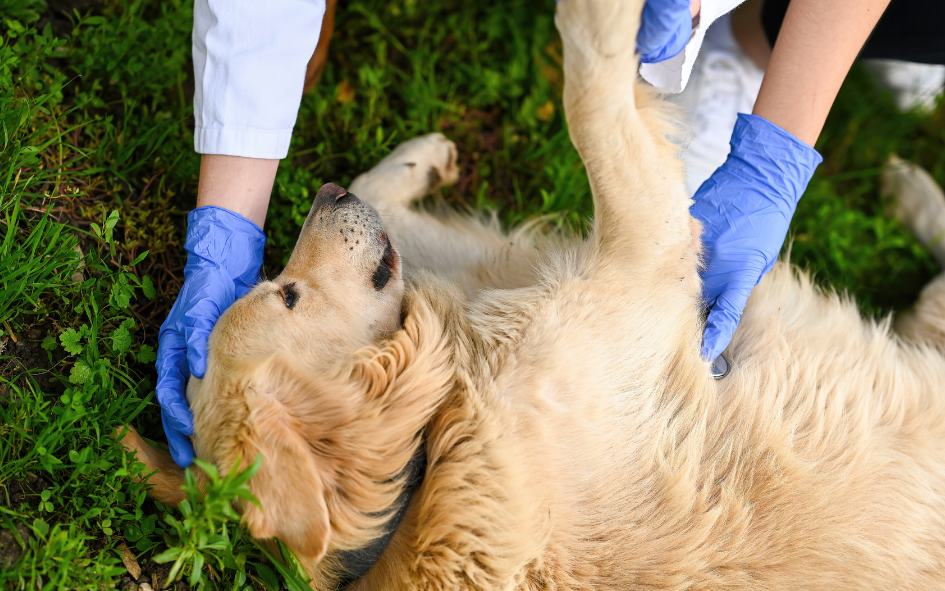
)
(97, 172)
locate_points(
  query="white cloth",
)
(672, 75)
(249, 68)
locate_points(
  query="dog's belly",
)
(855, 421)
(821, 465)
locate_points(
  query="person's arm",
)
(249, 69)
(817, 44)
(241, 185)
(747, 204)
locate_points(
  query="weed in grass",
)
(62, 476)
(36, 253)
(205, 542)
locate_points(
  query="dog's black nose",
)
(330, 194)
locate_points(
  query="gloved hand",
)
(745, 208)
(665, 29)
(225, 253)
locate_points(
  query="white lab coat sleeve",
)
(672, 75)
(249, 68)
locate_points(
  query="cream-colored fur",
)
(573, 435)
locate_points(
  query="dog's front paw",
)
(431, 160)
(412, 170)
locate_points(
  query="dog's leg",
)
(166, 478)
(460, 247)
(925, 323)
(646, 244)
(642, 224)
(919, 203)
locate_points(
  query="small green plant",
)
(204, 531)
(57, 448)
(58, 558)
(33, 265)
(208, 541)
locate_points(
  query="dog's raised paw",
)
(430, 162)
(414, 169)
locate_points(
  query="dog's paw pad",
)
(415, 168)
(445, 172)
(431, 155)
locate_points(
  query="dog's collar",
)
(356, 563)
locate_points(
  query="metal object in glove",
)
(719, 368)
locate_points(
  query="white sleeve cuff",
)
(243, 141)
(672, 75)
(249, 70)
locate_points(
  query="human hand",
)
(745, 208)
(665, 29)
(225, 252)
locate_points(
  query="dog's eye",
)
(289, 295)
(384, 268)
(381, 276)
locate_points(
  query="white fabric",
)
(249, 67)
(724, 83)
(672, 75)
(912, 85)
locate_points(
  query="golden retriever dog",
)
(571, 433)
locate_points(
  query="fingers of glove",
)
(172, 377)
(172, 384)
(182, 450)
(179, 350)
(203, 298)
(200, 320)
(732, 268)
(665, 29)
(722, 322)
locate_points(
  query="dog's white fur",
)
(574, 437)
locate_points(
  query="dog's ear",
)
(288, 485)
(337, 439)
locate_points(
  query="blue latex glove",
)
(745, 208)
(665, 29)
(224, 254)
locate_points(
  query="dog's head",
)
(341, 289)
(315, 370)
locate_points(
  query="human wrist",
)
(237, 184)
(764, 154)
(225, 240)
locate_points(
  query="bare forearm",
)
(241, 185)
(817, 43)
